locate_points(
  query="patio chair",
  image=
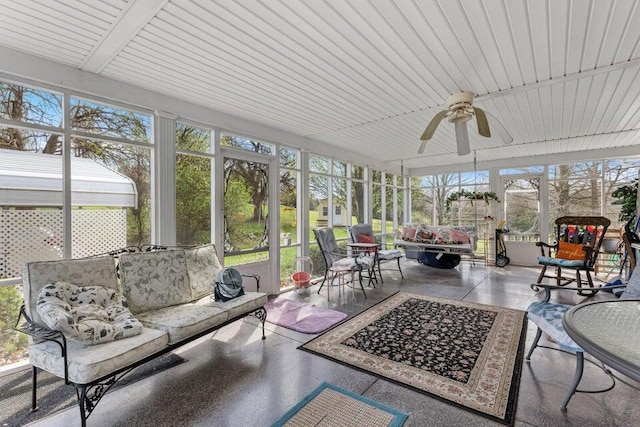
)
(337, 261)
(363, 233)
(578, 241)
(547, 316)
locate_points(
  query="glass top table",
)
(609, 331)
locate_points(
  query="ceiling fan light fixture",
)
(460, 116)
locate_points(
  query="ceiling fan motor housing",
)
(460, 106)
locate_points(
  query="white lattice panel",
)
(36, 235)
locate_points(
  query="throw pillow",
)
(572, 251)
(444, 236)
(89, 314)
(364, 238)
(409, 232)
(459, 236)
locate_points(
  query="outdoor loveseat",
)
(113, 313)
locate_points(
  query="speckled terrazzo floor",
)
(233, 378)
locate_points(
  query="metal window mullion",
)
(194, 153)
(303, 202)
(109, 139)
(603, 198)
(368, 189)
(163, 179)
(217, 200)
(32, 126)
(66, 177)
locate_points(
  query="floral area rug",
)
(465, 353)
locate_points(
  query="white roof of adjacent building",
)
(34, 179)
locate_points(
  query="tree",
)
(255, 174)
(628, 194)
(41, 107)
(193, 187)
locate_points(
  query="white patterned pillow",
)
(203, 266)
(153, 280)
(89, 314)
(94, 271)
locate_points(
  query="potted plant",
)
(487, 196)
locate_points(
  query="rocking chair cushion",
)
(558, 262)
(548, 317)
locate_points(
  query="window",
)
(194, 181)
(290, 227)
(110, 172)
(338, 210)
(246, 144)
(97, 136)
(325, 211)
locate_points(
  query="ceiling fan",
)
(459, 112)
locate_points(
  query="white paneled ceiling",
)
(562, 76)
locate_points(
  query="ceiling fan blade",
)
(483, 125)
(423, 145)
(500, 130)
(433, 124)
(462, 139)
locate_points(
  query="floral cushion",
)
(459, 236)
(153, 280)
(87, 363)
(409, 232)
(95, 271)
(390, 254)
(548, 317)
(353, 263)
(89, 314)
(203, 266)
(557, 262)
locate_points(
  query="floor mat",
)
(301, 317)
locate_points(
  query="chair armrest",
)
(43, 333)
(30, 328)
(543, 245)
(548, 288)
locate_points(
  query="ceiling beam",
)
(135, 15)
(541, 160)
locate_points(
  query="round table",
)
(608, 330)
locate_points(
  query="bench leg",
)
(34, 386)
(81, 392)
